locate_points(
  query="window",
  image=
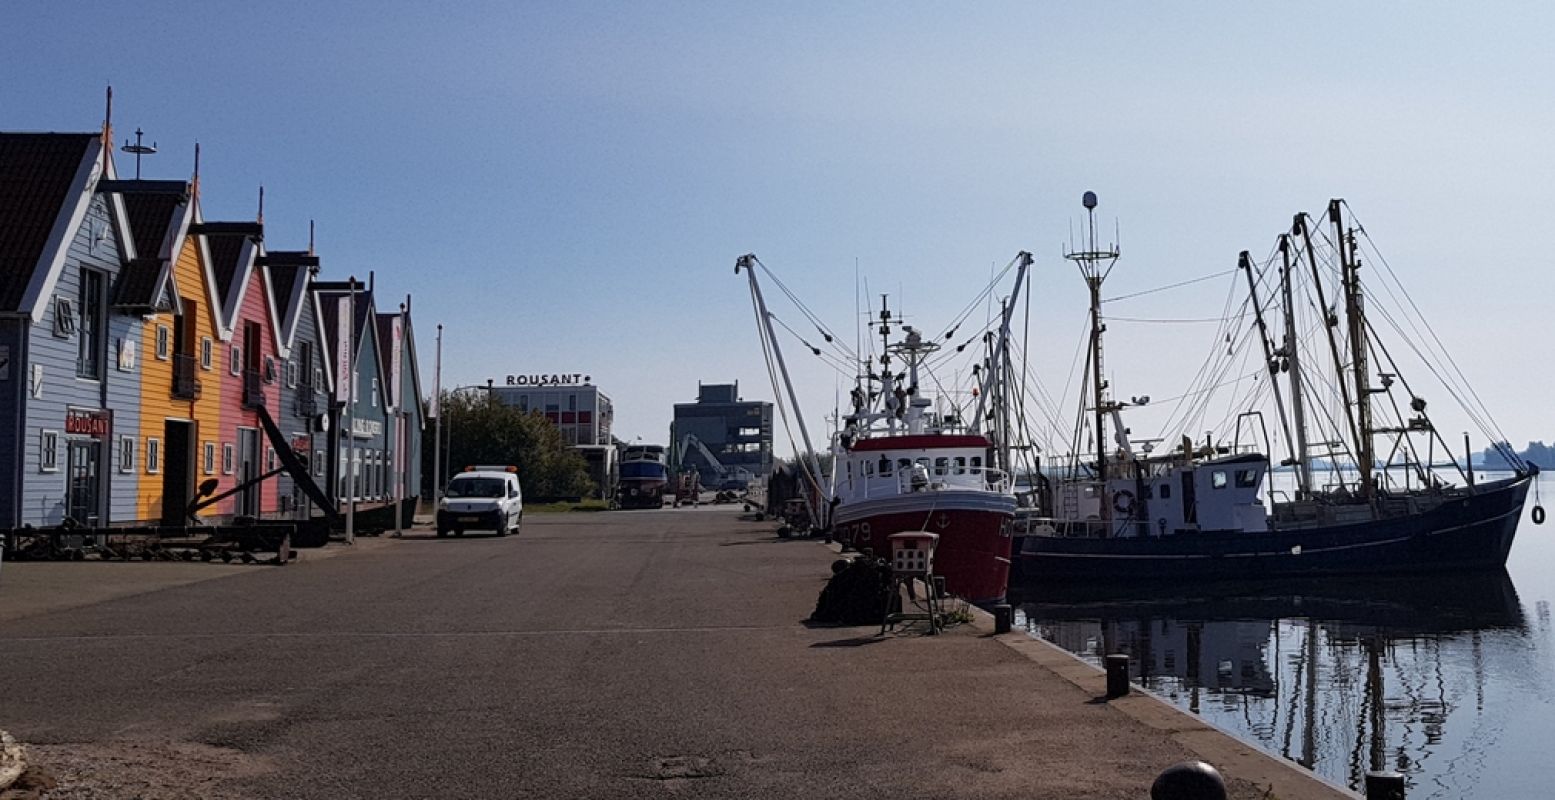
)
(89, 358)
(1246, 478)
(206, 352)
(304, 366)
(523, 403)
(48, 451)
(210, 458)
(227, 458)
(270, 373)
(153, 454)
(164, 345)
(375, 393)
(291, 374)
(318, 463)
(1166, 491)
(234, 360)
(126, 453)
(885, 466)
(977, 463)
(1217, 479)
(269, 458)
(318, 377)
(960, 465)
(572, 402)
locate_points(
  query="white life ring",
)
(1123, 502)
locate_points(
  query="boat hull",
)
(973, 553)
(1475, 532)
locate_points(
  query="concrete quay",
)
(625, 654)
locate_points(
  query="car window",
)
(475, 487)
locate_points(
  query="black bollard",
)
(1189, 780)
(1117, 676)
(1384, 786)
(1003, 615)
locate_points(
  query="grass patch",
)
(563, 507)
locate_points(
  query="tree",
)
(487, 432)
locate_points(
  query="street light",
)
(437, 491)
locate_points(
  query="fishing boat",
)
(904, 462)
(1198, 510)
(644, 477)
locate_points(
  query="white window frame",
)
(164, 342)
(318, 463)
(153, 455)
(210, 458)
(126, 454)
(235, 360)
(269, 458)
(375, 393)
(48, 451)
(291, 374)
(207, 353)
(229, 458)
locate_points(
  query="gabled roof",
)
(231, 249)
(288, 275)
(159, 214)
(329, 294)
(46, 185)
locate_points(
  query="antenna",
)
(139, 148)
(310, 237)
(108, 119)
(261, 218)
(196, 181)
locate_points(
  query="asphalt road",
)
(626, 654)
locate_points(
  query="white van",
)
(482, 499)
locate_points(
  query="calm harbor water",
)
(1448, 679)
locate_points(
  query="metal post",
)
(1384, 786)
(1117, 676)
(1468, 458)
(349, 429)
(437, 414)
(1002, 615)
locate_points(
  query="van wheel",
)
(502, 530)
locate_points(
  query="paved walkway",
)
(629, 654)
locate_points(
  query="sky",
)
(565, 187)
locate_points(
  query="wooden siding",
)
(157, 402)
(95, 246)
(13, 438)
(234, 416)
(295, 425)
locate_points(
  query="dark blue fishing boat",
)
(1383, 503)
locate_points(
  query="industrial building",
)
(579, 410)
(722, 436)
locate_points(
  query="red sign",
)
(83, 422)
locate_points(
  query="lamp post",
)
(489, 397)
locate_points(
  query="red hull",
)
(973, 553)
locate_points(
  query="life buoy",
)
(1123, 502)
(1538, 515)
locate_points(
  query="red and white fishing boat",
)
(902, 462)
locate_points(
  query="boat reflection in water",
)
(1341, 676)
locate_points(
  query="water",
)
(1447, 679)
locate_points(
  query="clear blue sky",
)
(566, 185)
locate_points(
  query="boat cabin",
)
(1217, 495)
(892, 465)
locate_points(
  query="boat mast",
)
(1329, 321)
(748, 262)
(1355, 316)
(1293, 362)
(1094, 265)
(1245, 263)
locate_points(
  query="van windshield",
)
(477, 487)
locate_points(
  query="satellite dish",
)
(1089, 199)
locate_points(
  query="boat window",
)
(942, 466)
(1166, 491)
(1246, 478)
(1217, 479)
(924, 462)
(885, 465)
(904, 463)
(869, 468)
(977, 463)
(960, 465)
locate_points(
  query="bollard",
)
(1384, 786)
(1002, 616)
(1189, 780)
(1117, 676)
